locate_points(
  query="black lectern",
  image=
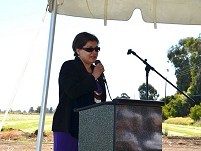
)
(121, 125)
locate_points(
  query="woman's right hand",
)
(98, 70)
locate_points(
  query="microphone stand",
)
(148, 68)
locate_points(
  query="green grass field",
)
(182, 127)
(29, 123)
(182, 130)
(26, 122)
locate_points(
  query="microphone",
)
(102, 75)
(130, 52)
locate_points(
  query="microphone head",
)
(129, 51)
(97, 62)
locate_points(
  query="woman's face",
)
(88, 57)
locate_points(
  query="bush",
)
(165, 113)
(195, 112)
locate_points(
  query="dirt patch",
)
(23, 146)
(11, 135)
(16, 140)
(179, 143)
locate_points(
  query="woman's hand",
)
(98, 70)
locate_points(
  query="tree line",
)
(48, 110)
(186, 58)
(31, 110)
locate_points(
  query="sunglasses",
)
(97, 49)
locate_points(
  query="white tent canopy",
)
(186, 12)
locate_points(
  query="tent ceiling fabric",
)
(186, 12)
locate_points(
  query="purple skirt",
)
(64, 142)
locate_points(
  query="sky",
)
(24, 35)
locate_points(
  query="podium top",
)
(129, 102)
(138, 102)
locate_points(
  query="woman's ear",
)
(78, 51)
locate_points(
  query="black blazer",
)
(76, 89)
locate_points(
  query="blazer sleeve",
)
(75, 81)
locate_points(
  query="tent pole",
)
(46, 77)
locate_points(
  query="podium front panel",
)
(96, 130)
(124, 125)
(138, 128)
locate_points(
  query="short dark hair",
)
(81, 39)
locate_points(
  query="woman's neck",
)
(88, 68)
